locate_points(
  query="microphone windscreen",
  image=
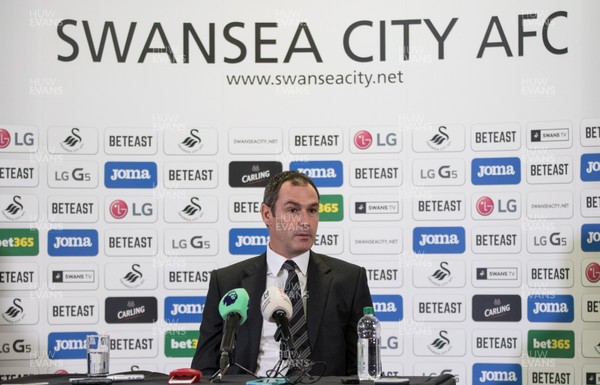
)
(274, 299)
(235, 301)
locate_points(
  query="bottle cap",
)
(368, 310)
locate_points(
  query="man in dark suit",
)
(334, 291)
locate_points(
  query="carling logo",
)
(184, 309)
(248, 241)
(252, 174)
(550, 308)
(67, 346)
(323, 173)
(497, 374)
(590, 167)
(496, 308)
(130, 175)
(493, 171)
(388, 307)
(590, 237)
(439, 240)
(71, 243)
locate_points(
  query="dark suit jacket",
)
(337, 293)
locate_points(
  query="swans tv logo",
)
(184, 309)
(119, 310)
(496, 308)
(71, 243)
(439, 240)
(130, 175)
(496, 171)
(326, 173)
(67, 346)
(388, 307)
(497, 374)
(248, 241)
(550, 308)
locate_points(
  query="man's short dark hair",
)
(297, 179)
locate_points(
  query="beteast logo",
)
(18, 173)
(73, 209)
(592, 272)
(496, 308)
(590, 167)
(550, 308)
(18, 139)
(439, 240)
(67, 346)
(130, 175)
(120, 310)
(388, 307)
(184, 309)
(497, 374)
(252, 174)
(495, 171)
(71, 243)
(324, 173)
(248, 241)
(590, 237)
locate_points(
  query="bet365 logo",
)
(551, 343)
(331, 208)
(19, 242)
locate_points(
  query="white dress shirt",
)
(268, 353)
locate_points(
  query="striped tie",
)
(298, 320)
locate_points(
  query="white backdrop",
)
(364, 89)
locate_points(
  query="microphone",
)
(234, 311)
(276, 307)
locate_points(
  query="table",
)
(154, 378)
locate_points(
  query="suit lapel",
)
(319, 281)
(254, 282)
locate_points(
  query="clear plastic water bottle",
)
(369, 346)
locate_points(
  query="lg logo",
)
(363, 139)
(118, 209)
(4, 138)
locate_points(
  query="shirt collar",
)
(275, 262)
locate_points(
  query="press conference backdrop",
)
(455, 145)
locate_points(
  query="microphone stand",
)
(226, 361)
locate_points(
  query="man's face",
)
(293, 222)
